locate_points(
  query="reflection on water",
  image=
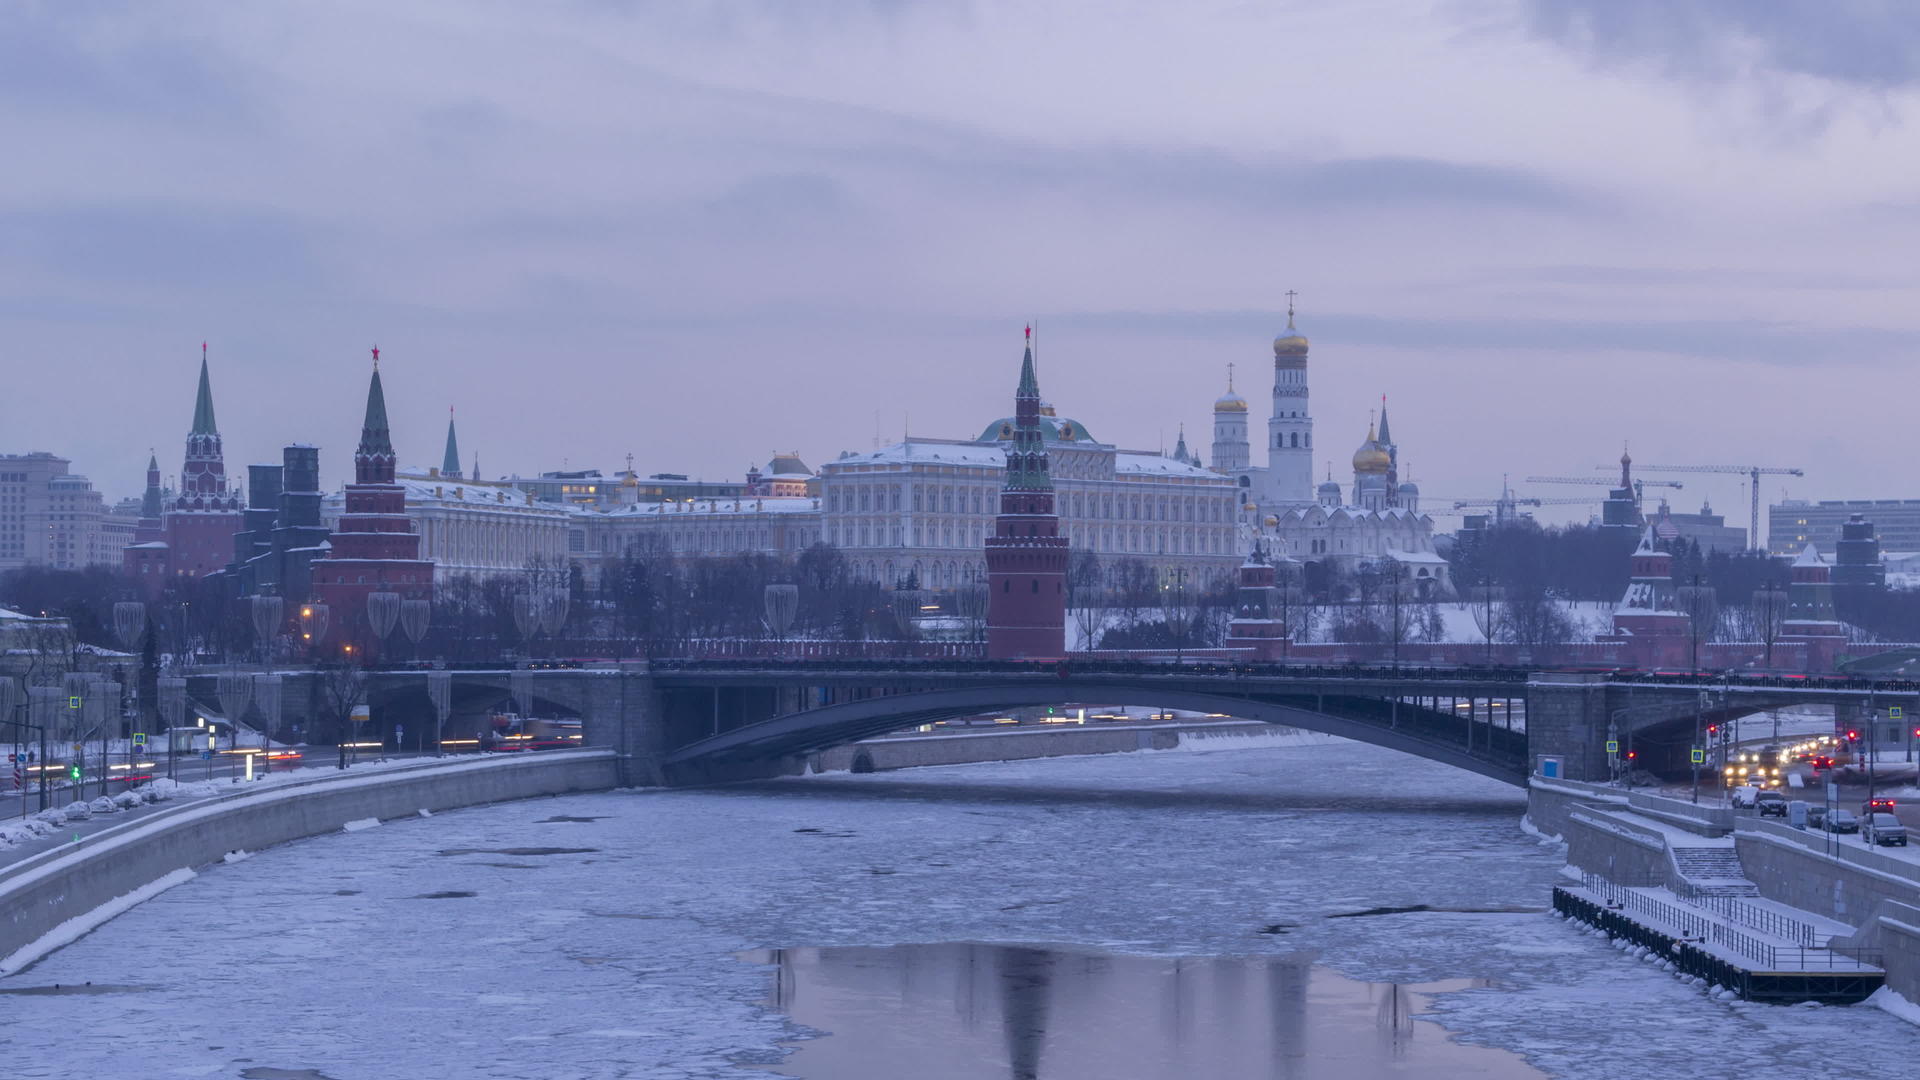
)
(1003, 1012)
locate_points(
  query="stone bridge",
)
(696, 721)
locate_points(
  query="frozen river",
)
(619, 935)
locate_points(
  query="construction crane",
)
(1753, 473)
(1639, 486)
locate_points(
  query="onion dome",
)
(1230, 401)
(1371, 457)
(1272, 521)
(1290, 343)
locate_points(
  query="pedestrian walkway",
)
(1759, 950)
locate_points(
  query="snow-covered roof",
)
(917, 451)
(1810, 556)
(1423, 558)
(447, 490)
(1142, 464)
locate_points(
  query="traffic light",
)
(1631, 754)
(1713, 729)
(73, 772)
(1853, 736)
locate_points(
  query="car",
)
(1842, 821)
(1743, 796)
(1880, 805)
(1771, 804)
(1884, 830)
(1816, 816)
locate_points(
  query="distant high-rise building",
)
(53, 518)
(1795, 523)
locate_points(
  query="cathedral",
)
(1378, 517)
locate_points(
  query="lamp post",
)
(266, 702)
(266, 612)
(235, 690)
(415, 615)
(172, 694)
(440, 692)
(383, 613)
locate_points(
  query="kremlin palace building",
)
(920, 509)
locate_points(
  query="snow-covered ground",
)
(594, 935)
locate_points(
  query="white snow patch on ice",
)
(1242, 739)
(236, 856)
(1551, 839)
(360, 823)
(75, 928)
(1892, 1001)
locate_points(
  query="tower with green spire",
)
(1026, 555)
(450, 462)
(203, 475)
(375, 546)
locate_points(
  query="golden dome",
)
(1371, 457)
(1272, 521)
(1291, 343)
(1230, 401)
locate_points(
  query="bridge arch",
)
(1407, 728)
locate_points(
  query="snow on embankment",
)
(1239, 737)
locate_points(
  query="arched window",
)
(1036, 585)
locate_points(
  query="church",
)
(1377, 518)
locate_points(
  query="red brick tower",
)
(374, 546)
(1648, 622)
(1810, 615)
(195, 531)
(1026, 555)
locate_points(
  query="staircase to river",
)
(1711, 871)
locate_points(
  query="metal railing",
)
(1736, 910)
(1698, 927)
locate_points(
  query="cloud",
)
(1868, 44)
(183, 247)
(110, 60)
(1774, 343)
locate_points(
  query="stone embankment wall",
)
(1876, 892)
(38, 894)
(1872, 890)
(1016, 744)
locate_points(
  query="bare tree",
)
(1086, 594)
(1768, 612)
(343, 688)
(1135, 590)
(1701, 605)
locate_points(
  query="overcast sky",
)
(703, 233)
